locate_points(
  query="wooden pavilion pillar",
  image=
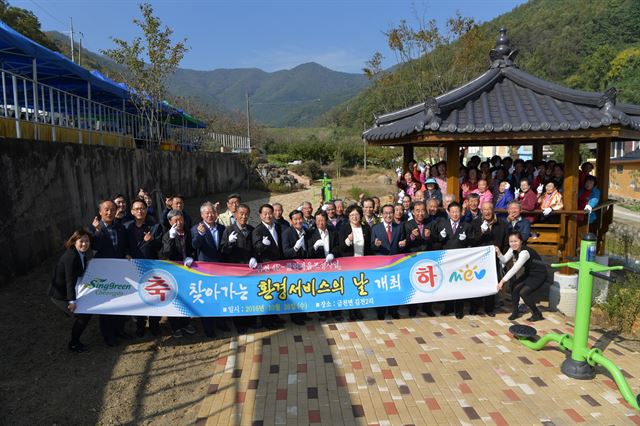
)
(407, 156)
(453, 170)
(603, 164)
(537, 152)
(570, 195)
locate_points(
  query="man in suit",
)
(368, 215)
(307, 215)
(267, 246)
(294, 246)
(388, 238)
(109, 242)
(205, 240)
(228, 218)
(333, 220)
(176, 246)
(236, 247)
(177, 203)
(145, 240)
(278, 211)
(323, 244)
(454, 234)
(515, 221)
(488, 230)
(419, 238)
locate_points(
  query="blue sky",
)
(267, 34)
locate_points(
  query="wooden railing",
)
(550, 239)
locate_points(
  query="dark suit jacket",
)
(387, 247)
(68, 270)
(176, 249)
(421, 242)
(206, 249)
(334, 245)
(523, 226)
(241, 251)
(140, 249)
(495, 236)
(452, 241)
(339, 222)
(262, 252)
(103, 245)
(344, 232)
(289, 239)
(282, 222)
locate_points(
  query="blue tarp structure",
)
(17, 53)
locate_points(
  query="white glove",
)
(329, 258)
(443, 233)
(173, 232)
(233, 237)
(516, 193)
(484, 226)
(299, 208)
(298, 245)
(588, 208)
(266, 241)
(511, 170)
(536, 173)
(422, 167)
(253, 263)
(318, 244)
(462, 236)
(540, 188)
(399, 172)
(324, 207)
(507, 185)
(547, 211)
(188, 261)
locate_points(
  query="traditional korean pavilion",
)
(506, 106)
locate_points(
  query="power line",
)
(48, 13)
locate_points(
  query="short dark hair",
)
(116, 196)
(368, 199)
(265, 206)
(244, 206)
(473, 196)
(178, 196)
(453, 204)
(385, 206)
(323, 214)
(417, 203)
(592, 178)
(517, 234)
(292, 213)
(138, 200)
(351, 208)
(234, 195)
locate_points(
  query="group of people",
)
(424, 218)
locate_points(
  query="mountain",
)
(585, 44)
(295, 97)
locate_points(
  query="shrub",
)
(310, 169)
(355, 191)
(623, 303)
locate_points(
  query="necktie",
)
(421, 229)
(389, 232)
(454, 227)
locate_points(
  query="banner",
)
(163, 288)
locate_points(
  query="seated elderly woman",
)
(588, 198)
(549, 201)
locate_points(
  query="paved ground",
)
(409, 371)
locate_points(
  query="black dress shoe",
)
(223, 327)
(352, 316)
(473, 312)
(430, 313)
(78, 347)
(359, 315)
(278, 320)
(536, 317)
(156, 330)
(395, 315)
(514, 316)
(459, 316)
(491, 313)
(140, 330)
(380, 316)
(241, 330)
(298, 321)
(413, 313)
(446, 312)
(211, 335)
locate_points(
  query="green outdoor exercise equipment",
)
(583, 360)
(326, 189)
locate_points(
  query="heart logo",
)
(479, 275)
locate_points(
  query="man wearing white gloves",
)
(454, 234)
(237, 247)
(176, 246)
(294, 246)
(266, 239)
(323, 244)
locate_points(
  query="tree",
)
(24, 22)
(149, 60)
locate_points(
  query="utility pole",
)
(72, 49)
(364, 126)
(248, 120)
(80, 49)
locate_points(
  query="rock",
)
(384, 180)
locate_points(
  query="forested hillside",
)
(585, 44)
